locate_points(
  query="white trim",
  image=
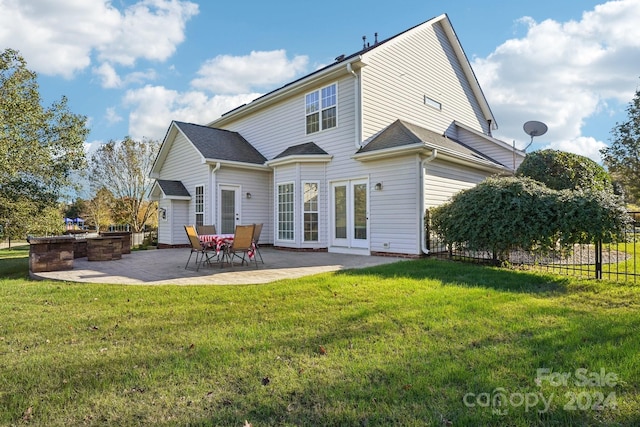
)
(301, 158)
(277, 206)
(239, 165)
(317, 211)
(286, 91)
(320, 108)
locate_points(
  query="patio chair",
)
(256, 239)
(242, 244)
(206, 229)
(202, 251)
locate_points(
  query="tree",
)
(502, 214)
(99, 210)
(622, 157)
(123, 168)
(560, 170)
(39, 149)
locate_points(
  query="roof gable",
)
(401, 137)
(340, 66)
(306, 149)
(220, 144)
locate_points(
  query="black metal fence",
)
(618, 261)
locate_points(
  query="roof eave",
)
(305, 158)
(389, 152)
(285, 91)
(490, 138)
(468, 71)
(236, 164)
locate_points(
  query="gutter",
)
(356, 92)
(423, 168)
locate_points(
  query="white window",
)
(199, 204)
(285, 212)
(320, 109)
(310, 210)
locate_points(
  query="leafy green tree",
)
(502, 214)
(99, 210)
(560, 170)
(622, 157)
(123, 168)
(39, 149)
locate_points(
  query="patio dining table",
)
(219, 241)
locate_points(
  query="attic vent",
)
(432, 103)
(339, 58)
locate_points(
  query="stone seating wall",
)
(51, 253)
(104, 248)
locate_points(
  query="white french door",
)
(350, 214)
(229, 208)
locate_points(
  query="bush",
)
(560, 170)
(503, 214)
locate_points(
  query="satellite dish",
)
(534, 128)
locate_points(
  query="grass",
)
(402, 344)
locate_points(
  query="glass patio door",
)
(350, 214)
(229, 208)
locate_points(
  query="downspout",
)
(356, 98)
(213, 190)
(423, 164)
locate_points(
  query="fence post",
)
(599, 259)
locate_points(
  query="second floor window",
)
(320, 109)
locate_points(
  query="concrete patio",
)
(166, 266)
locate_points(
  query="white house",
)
(346, 159)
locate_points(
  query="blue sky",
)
(133, 66)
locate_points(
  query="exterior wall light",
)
(248, 195)
(378, 186)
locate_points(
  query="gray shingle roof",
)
(306, 149)
(220, 144)
(400, 133)
(173, 188)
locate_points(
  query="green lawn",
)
(415, 343)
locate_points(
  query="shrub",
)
(560, 170)
(502, 214)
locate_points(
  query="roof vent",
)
(339, 58)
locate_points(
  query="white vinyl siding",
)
(257, 209)
(403, 71)
(443, 180)
(499, 152)
(393, 219)
(183, 163)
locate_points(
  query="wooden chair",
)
(256, 239)
(202, 251)
(206, 229)
(242, 244)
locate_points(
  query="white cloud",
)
(112, 116)
(60, 38)
(564, 73)
(154, 107)
(226, 74)
(108, 76)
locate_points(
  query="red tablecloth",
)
(216, 240)
(219, 240)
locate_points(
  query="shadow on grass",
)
(469, 275)
(14, 262)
